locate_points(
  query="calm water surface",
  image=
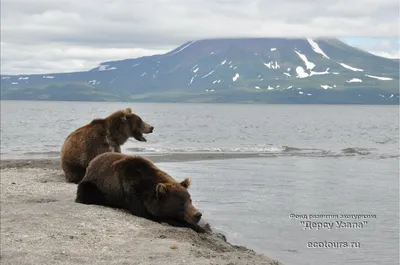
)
(327, 160)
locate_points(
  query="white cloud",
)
(62, 58)
(41, 36)
(391, 55)
(389, 47)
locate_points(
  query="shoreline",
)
(51, 159)
(41, 224)
(54, 162)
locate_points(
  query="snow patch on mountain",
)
(309, 65)
(300, 72)
(354, 80)
(223, 62)
(287, 74)
(208, 74)
(181, 49)
(235, 77)
(23, 78)
(93, 82)
(320, 73)
(325, 86)
(105, 67)
(273, 49)
(380, 77)
(316, 48)
(195, 70)
(271, 65)
(351, 68)
(48, 77)
(191, 80)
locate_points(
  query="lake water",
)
(327, 160)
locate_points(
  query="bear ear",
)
(128, 111)
(161, 189)
(186, 183)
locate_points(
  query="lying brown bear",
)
(97, 137)
(135, 184)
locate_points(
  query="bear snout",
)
(197, 217)
(193, 217)
(147, 128)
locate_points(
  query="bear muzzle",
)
(147, 128)
(193, 216)
(197, 217)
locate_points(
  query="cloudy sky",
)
(42, 36)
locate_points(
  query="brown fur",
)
(97, 137)
(134, 183)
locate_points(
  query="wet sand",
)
(41, 224)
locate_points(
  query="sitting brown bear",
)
(97, 137)
(135, 184)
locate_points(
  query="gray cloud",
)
(41, 36)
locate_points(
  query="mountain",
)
(251, 70)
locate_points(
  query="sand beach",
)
(41, 224)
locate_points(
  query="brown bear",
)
(135, 184)
(97, 137)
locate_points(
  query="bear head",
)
(174, 201)
(130, 124)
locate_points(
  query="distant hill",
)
(252, 70)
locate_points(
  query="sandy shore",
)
(41, 224)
